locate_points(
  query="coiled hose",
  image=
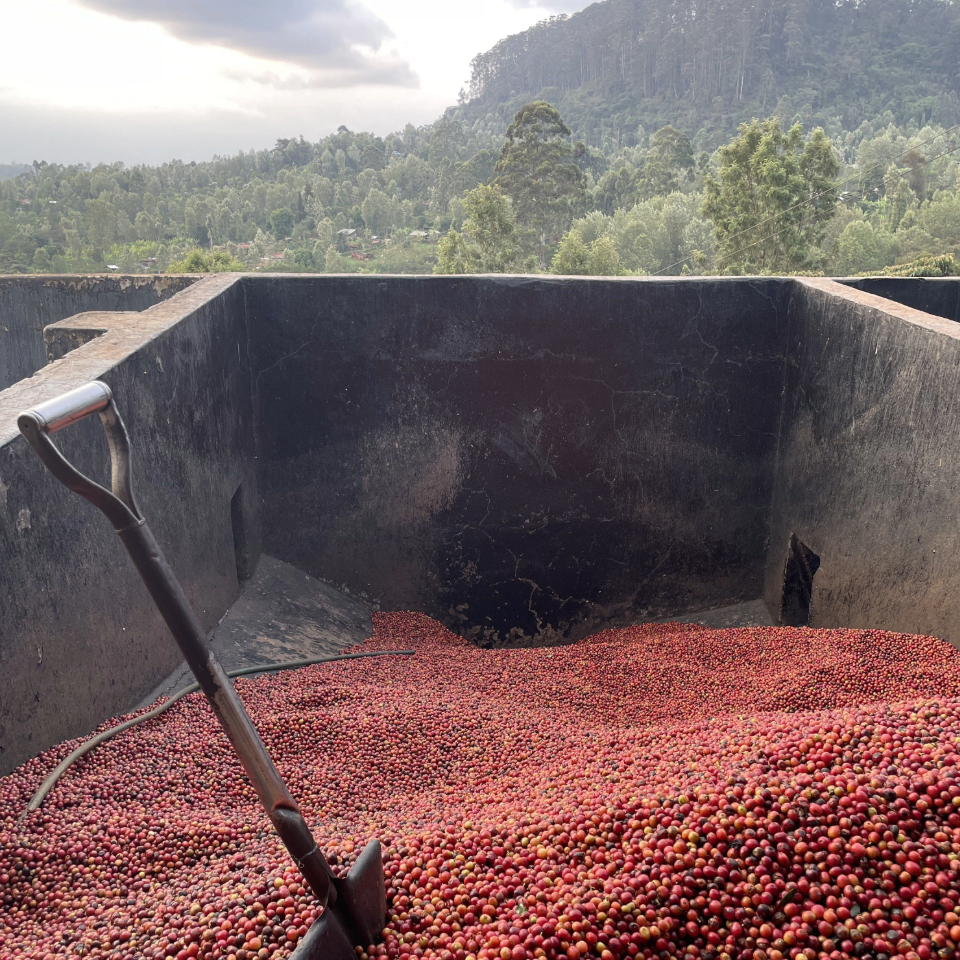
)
(36, 801)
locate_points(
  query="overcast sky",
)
(149, 80)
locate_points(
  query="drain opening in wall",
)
(798, 573)
(241, 535)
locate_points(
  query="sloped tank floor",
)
(282, 614)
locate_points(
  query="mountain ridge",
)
(619, 65)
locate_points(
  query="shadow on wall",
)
(525, 459)
(798, 573)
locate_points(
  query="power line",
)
(837, 186)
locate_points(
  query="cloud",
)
(30, 131)
(554, 6)
(374, 72)
(337, 37)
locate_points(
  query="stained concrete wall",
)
(28, 304)
(80, 639)
(869, 467)
(520, 457)
(936, 295)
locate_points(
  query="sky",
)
(143, 81)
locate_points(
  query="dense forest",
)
(705, 67)
(635, 172)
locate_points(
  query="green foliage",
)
(489, 241)
(668, 161)
(197, 261)
(537, 171)
(643, 194)
(455, 255)
(281, 222)
(654, 236)
(864, 248)
(332, 261)
(604, 259)
(773, 197)
(572, 258)
(300, 260)
(618, 188)
(404, 257)
(491, 226)
(945, 265)
(706, 67)
(85, 218)
(576, 258)
(380, 211)
(940, 217)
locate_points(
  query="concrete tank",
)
(527, 459)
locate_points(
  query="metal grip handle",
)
(36, 425)
(70, 407)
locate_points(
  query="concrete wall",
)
(520, 457)
(80, 639)
(939, 296)
(868, 473)
(28, 304)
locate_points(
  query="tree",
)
(196, 261)
(576, 259)
(940, 217)
(618, 188)
(326, 231)
(774, 196)
(899, 199)
(572, 258)
(454, 254)
(332, 261)
(489, 244)
(491, 226)
(537, 171)
(380, 212)
(604, 259)
(863, 248)
(281, 222)
(945, 265)
(669, 158)
(101, 223)
(715, 64)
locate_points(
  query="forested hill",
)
(705, 65)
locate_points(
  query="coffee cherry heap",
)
(660, 791)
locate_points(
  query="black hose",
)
(37, 799)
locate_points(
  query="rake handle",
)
(119, 505)
(280, 806)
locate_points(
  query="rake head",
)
(357, 917)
